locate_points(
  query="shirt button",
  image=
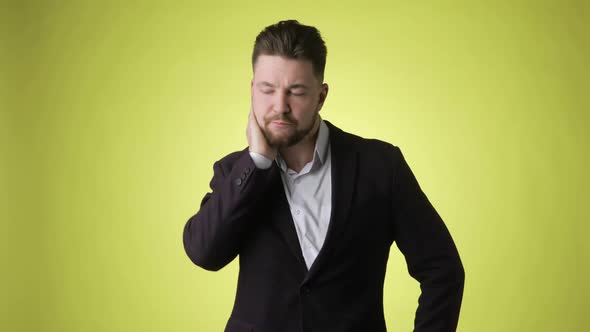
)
(297, 212)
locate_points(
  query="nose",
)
(281, 103)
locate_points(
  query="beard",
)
(286, 137)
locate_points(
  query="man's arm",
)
(431, 255)
(212, 237)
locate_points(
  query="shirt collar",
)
(321, 144)
(320, 152)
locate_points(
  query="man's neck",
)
(298, 155)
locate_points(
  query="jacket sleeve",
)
(213, 235)
(430, 253)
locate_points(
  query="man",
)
(312, 210)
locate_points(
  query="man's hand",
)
(256, 140)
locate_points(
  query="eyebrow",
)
(292, 86)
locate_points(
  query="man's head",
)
(287, 89)
(292, 40)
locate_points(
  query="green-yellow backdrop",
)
(112, 114)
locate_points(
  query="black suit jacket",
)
(376, 201)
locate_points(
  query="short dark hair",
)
(292, 40)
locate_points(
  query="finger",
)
(249, 126)
(252, 120)
(258, 123)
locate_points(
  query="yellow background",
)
(112, 114)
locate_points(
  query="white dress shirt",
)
(309, 194)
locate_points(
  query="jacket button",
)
(238, 182)
(305, 290)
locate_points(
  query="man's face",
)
(286, 98)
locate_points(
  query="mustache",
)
(280, 118)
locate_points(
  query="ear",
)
(323, 95)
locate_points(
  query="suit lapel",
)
(283, 220)
(344, 166)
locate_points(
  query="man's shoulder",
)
(362, 144)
